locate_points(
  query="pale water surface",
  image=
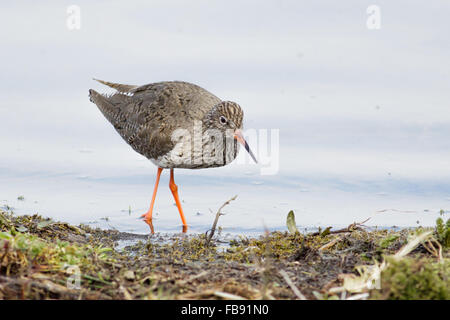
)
(363, 115)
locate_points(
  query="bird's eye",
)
(223, 120)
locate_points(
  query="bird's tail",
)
(125, 88)
(109, 110)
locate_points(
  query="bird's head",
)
(227, 116)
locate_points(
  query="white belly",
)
(198, 155)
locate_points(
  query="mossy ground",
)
(38, 258)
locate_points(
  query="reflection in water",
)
(121, 199)
(149, 222)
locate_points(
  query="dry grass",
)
(36, 255)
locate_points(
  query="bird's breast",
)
(196, 151)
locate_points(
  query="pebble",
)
(129, 275)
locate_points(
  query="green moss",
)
(443, 232)
(278, 245)
(415, 279)
(387, 241)
(24, 250)
(38, 251)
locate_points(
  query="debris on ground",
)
(44, 259)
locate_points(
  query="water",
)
(362, 114)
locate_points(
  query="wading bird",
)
(175, 125)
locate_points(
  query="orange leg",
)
(148, 216)
(174, 188)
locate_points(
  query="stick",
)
(46, 285)
(354, 226)
(360, 296)
(218, 214)
(229, 296)
(125, 293)
(330, 244)
(292, 285)
(192, 278)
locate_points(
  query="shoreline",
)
(44, 259)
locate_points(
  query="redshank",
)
(174, 124)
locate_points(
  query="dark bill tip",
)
(250, 151)
(239, 137)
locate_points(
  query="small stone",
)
(129, 275)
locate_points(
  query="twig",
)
(354, 226)
(194, 277)
(266, 264)
(218, 214)
(330, 244)
(229, 296)
(437, 252)
(292, 285)
(370, 275)
(125, 293)
(46, 285)
(360, 296)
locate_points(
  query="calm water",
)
(363, 115)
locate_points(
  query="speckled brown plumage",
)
(146, 116)
(176, 125)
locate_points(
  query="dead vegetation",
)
(43, 259)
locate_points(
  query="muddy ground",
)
(44, 259)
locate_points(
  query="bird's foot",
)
(148, 220)
(148, 215)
